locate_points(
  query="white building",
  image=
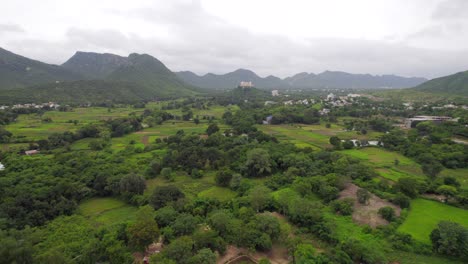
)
(331, 97)
(2, 167)
(245, 84)
(274, 93)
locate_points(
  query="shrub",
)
(387, 213)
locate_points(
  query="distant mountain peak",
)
(303, 80)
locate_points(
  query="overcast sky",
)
(426, 38)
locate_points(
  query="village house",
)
(2, 167)
(274, 93)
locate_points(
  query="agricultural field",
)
(315, 136)
(107, 211)
(146, 136)
(384, 163)
(30, 127)
(424, 216)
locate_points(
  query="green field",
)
(189, 186)
(107, 211)
(315, 136)
(220, 193)
(31, 127)
(424, 216)
(460, 174)
(383, 161)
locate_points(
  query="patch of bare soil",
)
(147, 132)
(436, 197)
(277, 255)
(145, 140)
(367, 214)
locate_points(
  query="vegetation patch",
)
(424, 216)
(219, 193)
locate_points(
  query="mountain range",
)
(89, 77)
(324, 80)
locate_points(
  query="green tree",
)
(144, 230)
(258, 163)
(387, 213)
(162, 195)
(132, 184)
(447, 190)
(204, 256)
(165, 216)
(179, 250)
(260, 197)
(451, 239)
(304, 254)
(408, 186)
(212, 128)
(344, 206)
(166, 173)
(335, 141)
(432, 169)
(223, 177)
(363, 196)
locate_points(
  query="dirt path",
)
(145, 140)
(277, 255)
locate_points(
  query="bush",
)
(402, 200)
(387, 213)
(166, 173)
(223, 178)
(451, 239)
(363, 196)
(344, 206)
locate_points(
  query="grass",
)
(460, 174)
(107, 211)
(189, 186)
(383, 161)
(219, 193)
(315, 136)
(31, 127)
(424, 216)
(411, 258)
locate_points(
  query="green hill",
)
(456, 84)
(147, 71)
(94, 66)
(17, 71)
(88, 78)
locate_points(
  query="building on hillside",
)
(274, 93)
(245, 85)
(331, 97)
(412, 122)
(2, 167)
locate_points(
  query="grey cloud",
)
(10, 28)
(451, 10)
(201, 42)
